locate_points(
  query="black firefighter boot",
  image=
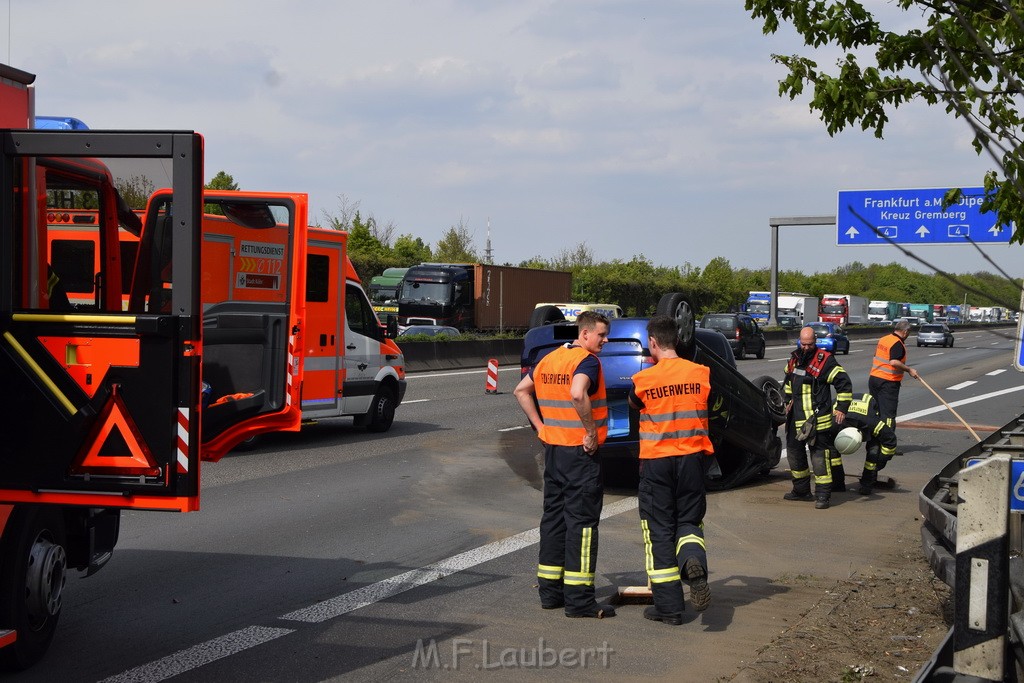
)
(801, 490)
(822, 496)
(867, 482)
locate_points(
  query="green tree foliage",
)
(962, 54)
(135, 190)
(409, 250)
(222, 181)
(456, 245)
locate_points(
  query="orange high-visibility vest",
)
(553, 379)
(674, 419)
(880, 365)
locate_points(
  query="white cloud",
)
(640, 126)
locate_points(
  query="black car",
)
(743, 425)
(742, 331)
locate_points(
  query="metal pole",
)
(775, 224)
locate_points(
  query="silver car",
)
(934, 334)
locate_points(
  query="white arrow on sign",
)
(921, 232)
(852, 232)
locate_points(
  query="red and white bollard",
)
(492, 377)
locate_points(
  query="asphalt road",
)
(336, 554)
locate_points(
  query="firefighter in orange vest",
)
(570, 415)
(810, 376)
(672, 397)
(887, 368)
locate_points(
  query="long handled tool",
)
(973, 433)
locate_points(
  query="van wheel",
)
(546, 315)
(382, 412)
(676, 306)
(250, 444)
(32, 577)
(774, 400)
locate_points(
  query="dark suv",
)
(745, 414)
(742, 331)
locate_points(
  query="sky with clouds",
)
(640, 127)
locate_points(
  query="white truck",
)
(805, 305)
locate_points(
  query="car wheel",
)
(250, 444)
(918, 344)
(676, 306)
(546, 315)
(32, 577)
(774, 400)
(846, 351)
(950, 343)
(382, 412)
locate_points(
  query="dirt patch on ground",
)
(882, 624)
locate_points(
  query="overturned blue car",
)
(744, 415)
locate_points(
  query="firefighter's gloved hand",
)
(807, 430)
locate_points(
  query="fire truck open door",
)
(100, 406)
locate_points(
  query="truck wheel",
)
(774, 401)
(382, 412)
(33, 570)
(677, 306)
(546, 315)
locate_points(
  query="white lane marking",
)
(417, 400)
(995, 372)
(994, 343)
(961, 402)
(382, 590)
(198, 655)
(512, 429)
(962, 385)
(218, 648)
(936, 354)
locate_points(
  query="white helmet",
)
(848, 440)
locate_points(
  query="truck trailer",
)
(477, 296)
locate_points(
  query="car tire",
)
(33, 572)
(846, 351)
(950, 343)
(677, 306)
(760, 354)
(741, 352)
(774, 400)
(250, 444)
(382, 412)
(918, 344)
(546, 315)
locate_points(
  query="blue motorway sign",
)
(875, 217)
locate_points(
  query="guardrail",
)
(974, 545)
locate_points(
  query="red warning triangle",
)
(115, 445)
